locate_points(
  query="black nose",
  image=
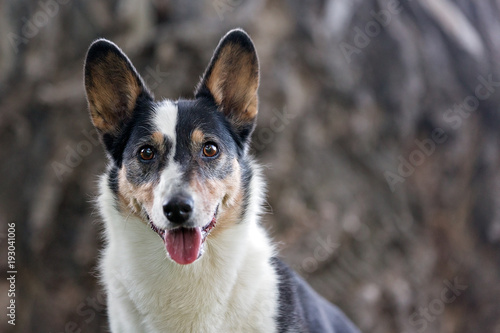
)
(178, 209)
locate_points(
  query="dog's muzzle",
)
(184, 245)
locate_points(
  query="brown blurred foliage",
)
(378, 129)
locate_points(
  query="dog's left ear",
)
(232, 79)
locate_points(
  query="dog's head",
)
(178, 165)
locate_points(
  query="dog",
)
(181, 201)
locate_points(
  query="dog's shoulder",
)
(301, 309)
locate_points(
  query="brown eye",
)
(147, 153)
(210, 150)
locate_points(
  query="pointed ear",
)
(113, 89)
(232, 79)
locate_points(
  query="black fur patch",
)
(141, 171)
(290, 313)
(140, 121)
(301, 309)
(113, 179)
(203, 114)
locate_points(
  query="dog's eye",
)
(210, 150)
(147, 153)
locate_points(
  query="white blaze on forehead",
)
(165, 121)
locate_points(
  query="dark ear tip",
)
(100, 48)
(240, 37)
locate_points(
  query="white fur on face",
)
(171, 181)
(165, 122)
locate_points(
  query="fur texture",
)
(205, 265)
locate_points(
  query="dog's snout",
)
(178, 209)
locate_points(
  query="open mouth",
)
(185, 245)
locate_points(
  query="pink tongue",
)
(183, 244)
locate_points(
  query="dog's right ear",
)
(113, 89)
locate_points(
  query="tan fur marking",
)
(232, 204)
(158, 138)
(197, 137)
(229, 216)
(228, 191)
(134, 198)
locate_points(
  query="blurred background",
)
(378, 129)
